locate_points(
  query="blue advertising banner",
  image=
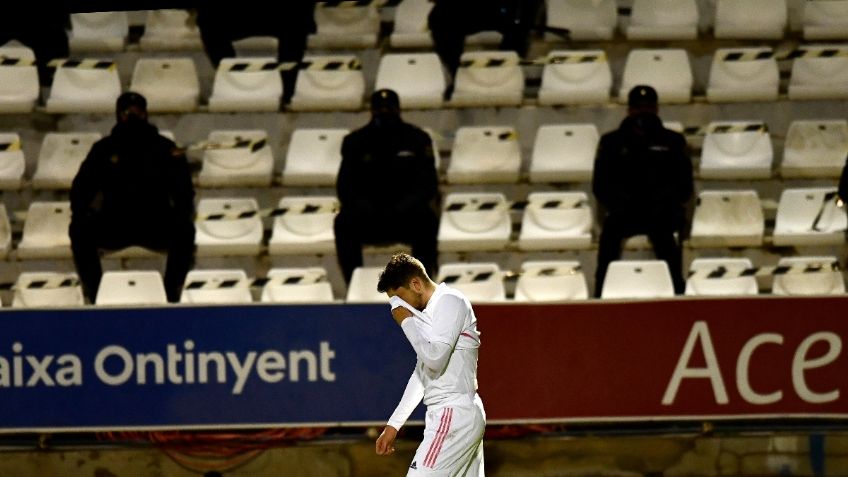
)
(196, 367)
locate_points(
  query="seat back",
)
(816, 148)
(216, 287)
(314, 157)
(363, 286)
(576, 77)
(721, 286)
(736, 150)
(298, 285)
(666, 70)
(637, 279)
(169, 84)
(564, 153)
(743, 74)
(728, 219)
(131, 288)
(47, 290)
(556, 221)
(417, 78)
(823, 282)
(584, 19)
(307, 227)
(479, 282)
(488, 154)
(474, 221)
(751, 19)
(551, 281)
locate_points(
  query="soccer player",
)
(441, 327)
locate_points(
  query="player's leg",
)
(454, 445)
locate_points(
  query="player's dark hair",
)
(400, 270)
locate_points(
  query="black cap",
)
(128, 100)
(385, 98)
(642, 95)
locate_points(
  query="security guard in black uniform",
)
(134, 188)
(388, 187)
(643, 180)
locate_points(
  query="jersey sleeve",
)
(412, 395)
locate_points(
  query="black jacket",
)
(133, 177)
(387, 170)
(643, 171)
(843, 183)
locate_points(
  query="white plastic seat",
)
(721, 286)
(5, 232)
(825, 20)
(564, 153)
(314, 157)
(735, 77)
(30, 291)
(345, 27)
(727, 219)
(819, 77)
(169, 84)
(556, 221)
(817, 283)
(750, 19)
(341, 89)
(227, 287)
(551, 281)
(45, 233)
(411, 29)
(12, 161)
(363, 286)
(584, 19)
(307, 228)
(666, 70)
(131, 288)
(60, 157)
(572, 81)
(417, 78)
(487, 154)
(474, 221)
(243, 91)
(98, 31)
(663, 20)
(250, 166)
(228, 237)
(497, 86)
(800, 210)
(19, 88)
(169, 29)
(479, 282)
(637, 279)
(743, 154)
(84, 90)
(297, 285)
(816, 148)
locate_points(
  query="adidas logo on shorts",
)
(414, 466)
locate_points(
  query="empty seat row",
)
(478, 221)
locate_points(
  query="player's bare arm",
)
(386, 442)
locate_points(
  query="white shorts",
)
(453, 442)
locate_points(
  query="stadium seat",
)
(307, 228)
(45, 233)
(345, 27)
(228, 236)
(820, 75)
(363, 286)
(556, 221)
(417, 78)
(551, 281)
(721, 286)
(411, 29)
(244, 91)
(727, 219)
(5, 232)
(85, 89)
(825, 20)
(739, 75)
(19, 88)
(663, 20)
(98, 31)
(809, 216)
(584, 19)
(170, 30)
(129, 288)
(736, 150)
(750, 19)
(828, 281)
(474, 221)
(170, 85)
(216, 287)
(575, 77)
(330, 89)
(46, 290)
(297, 285)
(815, 148)
(485, 154)
(564, 153)
(479, 282)
(60, 157)
(243, 159)
(314, 157)
(12, 161)
(637, 279)
(667, 70)
(489, 86)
